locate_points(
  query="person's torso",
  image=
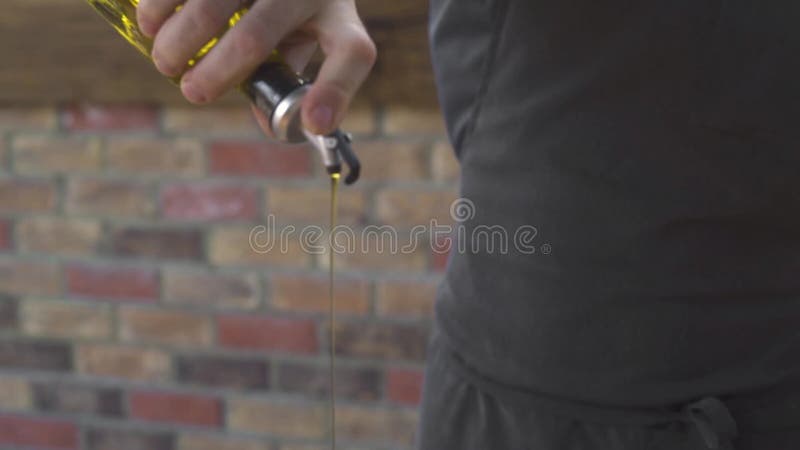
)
(651, 145)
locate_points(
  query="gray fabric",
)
(652, 145)
(457, 414)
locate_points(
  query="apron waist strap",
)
(713, 421)
(710, 417)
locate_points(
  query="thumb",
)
(349, 57)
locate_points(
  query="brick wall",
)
(135, 314)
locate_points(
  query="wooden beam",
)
(57, 51)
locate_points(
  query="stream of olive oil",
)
(122, 15)
(332, 304)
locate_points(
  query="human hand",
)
(294, 27)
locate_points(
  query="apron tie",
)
(712, 420)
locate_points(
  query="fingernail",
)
(160, 65)
(192, 93)
(322, 117)
(147, 27)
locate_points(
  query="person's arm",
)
(294, 27)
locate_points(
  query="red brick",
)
(26, 195)
(130, 439)
(294, 446)
(27, 118)
(207, 289)
(404, 386)
(406, 298)
(360, 120)
(176, 408)
(9, 312)
(145, 155)
(212, 120)
(363, 384)
(29, 278)
(33, 355)
(412, 207)
(163, 327)
(267, 333)
(371, 424)
(49, 154)
(159, 243)
(444, 165)
(257, 158)
(16, 393)
(406, 120)
(66, 319)
(259, 245)
(5, 235)
(69, 398)
(223, 372)
(277, 417)
(378, 248)
(440, 252)
(292, 204)
(37, 433)
(388, 341)
(57, 235)
(115, 361)
(103, 118)
(209, 202)
(207, 441)
(386, 160)
(112, 283)
(310, 294)
(105, 197)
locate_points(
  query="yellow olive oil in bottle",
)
(122, 15)
(274, 88)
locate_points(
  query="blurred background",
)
(134, 314)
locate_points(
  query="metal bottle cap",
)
(278, 93)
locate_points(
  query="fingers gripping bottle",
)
(274, 88)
